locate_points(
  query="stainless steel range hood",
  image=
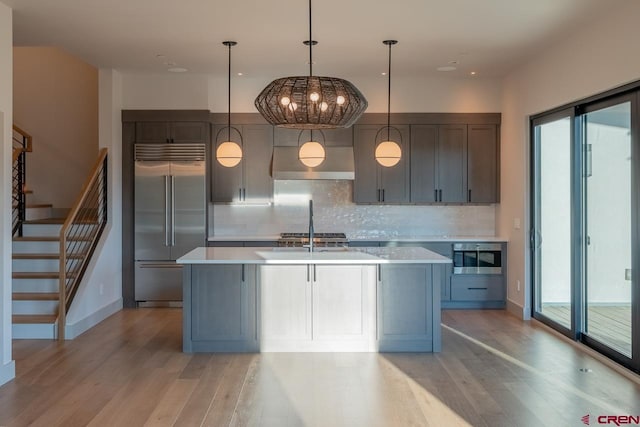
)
(338, 164)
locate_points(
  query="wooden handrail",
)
(62, 297)
(16, 153)
(29, 139)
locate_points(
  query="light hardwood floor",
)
(494, 370)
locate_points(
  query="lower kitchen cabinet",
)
(477, 291)
(408, 306)
(317, 308)
(222, 302)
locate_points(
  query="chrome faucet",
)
(310, 225)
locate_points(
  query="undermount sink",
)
(322, 255)
(306, 250)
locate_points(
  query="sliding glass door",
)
(608, 219)
(551, 238)
(585, 216)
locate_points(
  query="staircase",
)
(35, 277)
(50, 255)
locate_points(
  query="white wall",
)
(199, 91)
(583, 63)
(100, 293)
(7, 366)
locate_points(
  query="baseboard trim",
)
(76, 329)
(7, 372)
(517, 310)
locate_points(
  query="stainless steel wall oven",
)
(477, 258)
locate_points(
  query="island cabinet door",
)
(223, 307)
(409, 307)
(344, 304)
(285, 306)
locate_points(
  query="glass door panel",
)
(608, 215)
(551, 236)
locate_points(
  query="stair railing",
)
(80, 235)
(22, 144)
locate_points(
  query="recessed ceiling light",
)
(384, 73)
(240, 74)
(473, 73)
(447, 68)
(177, 70)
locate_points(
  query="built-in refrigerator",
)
(170, 216)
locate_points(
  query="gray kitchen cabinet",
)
(342, 137)
(223, 319)
(452, 164)
(250, 181)
(424, 163)
(375, 183)
(409, 305)
(477, 291)
(482, 164)
(178, 132)
(441, 248)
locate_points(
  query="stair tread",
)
(35, 275)
(36, 239)
(35, 296)
(48, 238)
(45, 221)
(34, 318)
(46, 256)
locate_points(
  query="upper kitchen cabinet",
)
(454, 163)
(483, 164)
(178, 132)
(375, 183)
(283, 137)
(250, 181)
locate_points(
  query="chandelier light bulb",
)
(293, 106)
(340, 100)
(324, 106)
(314, 97)
(285, 101)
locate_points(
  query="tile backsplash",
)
(334, 211)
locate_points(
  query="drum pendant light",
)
(229, 153)
(388, 153)
(311, 102)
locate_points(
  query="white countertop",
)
(287, 256)
(433, 239)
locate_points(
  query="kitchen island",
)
(333, 299)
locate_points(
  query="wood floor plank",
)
(494, 370)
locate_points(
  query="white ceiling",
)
(486, 36)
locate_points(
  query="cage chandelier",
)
(311, 102)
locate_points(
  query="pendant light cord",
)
(310, 44)
(389, 96)
(229, 98)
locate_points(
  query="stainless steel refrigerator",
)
(170, 215)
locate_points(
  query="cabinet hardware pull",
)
(477, 289)
(166, 210)
(239, 194)
(379, 195)
(308, 273)
(244, 194)
(173, 210)
(383, 194)
(469, 196)
(435, 195)
(243, 272)
(314, 273)
(440, 195)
